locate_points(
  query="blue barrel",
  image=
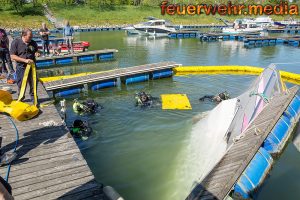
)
(265, 42)
(225, 37)
(179, 35)
(86, 58)
(186, 35)
(294, 108)
(104, 84)
(295, 43)
(105, 56)
(172, 35)
(68, 92)
(279, 41)
(135, 78)
(232, 37)
(276, 139)
(272, 41)
(258, 42)
(192, 35)
(241, 38)
(44, 63)
(254, 175)
(64, 61)
(251, 42)
(162, 74)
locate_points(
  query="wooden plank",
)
(59, 84)
(66, 177)
(35, 176)
(60, 194)
(49, 164)
(62, 188)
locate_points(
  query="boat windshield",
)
(147, 23)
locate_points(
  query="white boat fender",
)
(111, 194)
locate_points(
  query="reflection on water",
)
(141, 152)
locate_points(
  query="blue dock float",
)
(162, 74)
(184, 34)
(67, 92)
(280, 134)
(104, 84)
(254, 175)
(266, 41)
(83, 57)
(137, 78)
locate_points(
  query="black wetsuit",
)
(210, 97)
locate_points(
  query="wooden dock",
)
(49, 164)
(113, 74)
(220, 181)
(83, 57)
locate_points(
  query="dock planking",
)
(117, 73)
(82, 57)
(86, 53)
(219, 182)
(49, 164)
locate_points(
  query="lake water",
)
(144, 154)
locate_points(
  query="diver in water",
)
(145, 100)
(216, 98)
(81, 129)
(89, 106)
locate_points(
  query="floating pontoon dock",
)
(83, 57)
(49, 164)
(292, 41)
(108, 79)
(222, 179)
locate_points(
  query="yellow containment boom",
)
(17, 109)
(175, 102)
(56, 78)
(234, 69)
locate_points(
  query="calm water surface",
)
(142, 153)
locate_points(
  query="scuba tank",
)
(90, 106)
(81, 129)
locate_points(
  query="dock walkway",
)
(83, 57)
(113, 74)
(220, 181)
(49, 164)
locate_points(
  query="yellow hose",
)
(238, 70)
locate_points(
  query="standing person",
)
(44, 32)
(5, 57)
(23, 50)
(68, 35)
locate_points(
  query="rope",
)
(15, 148)
(262, 95)
(257, 130)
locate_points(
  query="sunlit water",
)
(152, 154)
